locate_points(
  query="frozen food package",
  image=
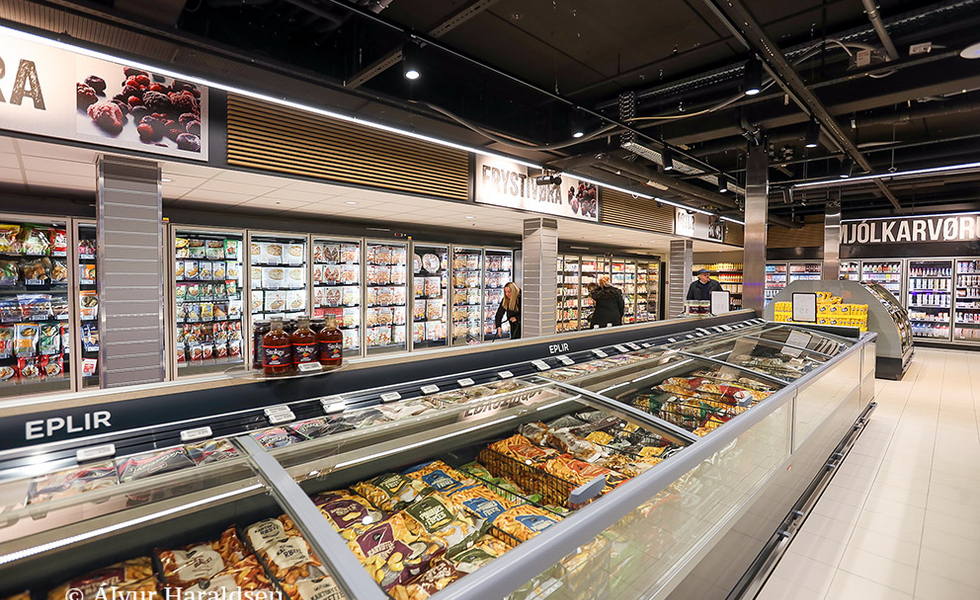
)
(446, 521)
(214, 250)
(257, 300)
(195, 249)
(129, 578)
(70, 482)
(205, 270)
(89, 300)
(523, 522)
(272, 253)
(435, 330)
(233, 270)
(35, 307)
(352, 339)
(295, 277)
(179, 270)
(391, 491)
(345, 511)
(9, 275)
(233, 250)
(9, 243)
(434, 310)
(395, 550)
(35, 272)
(433, 287)
(6, 341)
(35, 241)
(255, 252)
(89, 366)
(273, 278)
(196, 563)
(25, 339)
(296, 300)
(29, 367)
(349, 274)
(398, 275)
(276, 437)
(439, 476)
(295, 254)
(481, 501)
(442, 571)
(192, 269)
(317, 274)
(49, 338)
(350, 253)
(330, 275)
(332, 253)
(218, 270)
(275, 301)
(153, 463)
(59, 271)
(210, 451)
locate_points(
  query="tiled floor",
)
(901, 518)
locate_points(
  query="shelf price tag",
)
(632, 345)
(621, 348)
(647, 345)
(429, 389)
(282, 417)
(96, 453)
(189, 435)
(313, 367)
(390, 396)
(565, 360)
(600, 353)
(671, 340)
(689, 336)
(541, 365)
(505, 374)
(465, 382)
(278, 408)
(332, 405)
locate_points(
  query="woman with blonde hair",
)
(510, 307)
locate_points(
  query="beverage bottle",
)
(258, 332)
(304, 343)
(331, 343)
(277, 355)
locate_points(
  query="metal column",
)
(540, 275)
(679, 271)
(130, 267)
(756, 217)
(831, 242)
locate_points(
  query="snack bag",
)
(132, 577)
(49, 341)
(36, 272)
(25, 339)
(521, 449)
(153, 463)
(195, 563)
(391, 491)
(9, 243)
(246, 576)
(446, 521)
(70, 482)
(8, 273)
(28, 368)
(210, 451)
(52, 366)
(35, 241)
(439, 476)
(443, 571)
(291, 560)
(481, 501)
(523, 522)
(347, 512)
(395, 550)
(276, 437)
(6, 341)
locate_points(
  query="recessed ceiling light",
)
(469, 217)
(165, 180)
(971, 51)
(350, 202)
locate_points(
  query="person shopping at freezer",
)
(701, 288)
(510, 307)
(609, 304)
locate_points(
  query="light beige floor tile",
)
(845, 496)
(959, 568)
(847, 586)
(898, 494)
(779, 588)
(894, 508)
(909, 530)
(837, 510)
(875, 542)
(827, 527)
(879, 569)
(805, 572)
(929, 586)
(818, 548)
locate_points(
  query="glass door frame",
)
(952, 331)
(410, 309)
(483, 286)
(74, 296)
(361, 286)
(903, 262)
(452, 290)
(951, 290)
(409, 289)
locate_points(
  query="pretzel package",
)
(291, 560)
(246, 576)
(195, 563)
(446, 521)
(439, 476)
(391, 491)
(395, 550)
(129, 577)
(347, 511)
(442, 572)
(481, 501)
(523, 522)
(73, 481)
(319, 588)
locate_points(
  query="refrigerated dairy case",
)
(607, 464)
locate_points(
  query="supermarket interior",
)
(489, 300)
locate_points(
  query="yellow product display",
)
(831, 310)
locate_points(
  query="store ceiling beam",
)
(743, 25)
(392, 58)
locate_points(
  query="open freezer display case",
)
(966, 323)
(35, 323)
(467, 283)
(573, 480)
(887, 273)
(208, 300)
(88, 294)
(337, 289)
(930, 298)
(386, 305)
(498, 271)
(430, 298)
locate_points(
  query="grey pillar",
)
(679, 271)
(540, 274)
(831, 242)
(130, 268)
(756, 217)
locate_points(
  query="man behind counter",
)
(702, 288)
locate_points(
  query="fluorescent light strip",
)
(256, 95)
(15, 556)
(733, 220)
(961, 214)
(850, 180)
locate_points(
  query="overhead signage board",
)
(56, 93)
(697, 225)
(912, 230)
(501, 182)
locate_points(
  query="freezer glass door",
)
(386, 313)
(887, 273)
(775, 280)
(337, 287)
(778, 360)
(430, 297)
(88, 326)
(467, 295)
(624, 277)
(850, 270)
(35, 318)
(568, 292)
(804, 271)
(930, 298)
(593, 267)
(498, 270)
(278, 285)
(967, 316)
(209, 300)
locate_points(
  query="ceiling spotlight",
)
(468, 217)
(753, 76)
(813, 133)
(578, 123)
(846, 168)
(722, 183)
(668, 159)
(548, 180)
(972, 51)
(410, 62)
(351, 202)
(165, 180)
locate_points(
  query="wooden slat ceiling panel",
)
(619, 208)
(263, 136)
(807, 236)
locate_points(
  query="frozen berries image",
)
(107, 116)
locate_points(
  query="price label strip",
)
(565, 360)
(505, 374)
(600, 353)
(465, 382)
(429, 389)
(632, 345)
(333, 406)
(282, 417)
(189, 435)
(541, 365)
(96, 453)
(390, 396)
(621, 348)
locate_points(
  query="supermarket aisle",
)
(901, 518)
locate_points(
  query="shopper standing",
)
(510, 308)
(701, 288)
(609, 304)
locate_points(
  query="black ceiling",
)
(515, 68)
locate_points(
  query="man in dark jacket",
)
(609, 304)
(701, 288)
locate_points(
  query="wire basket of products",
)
(552, 490)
